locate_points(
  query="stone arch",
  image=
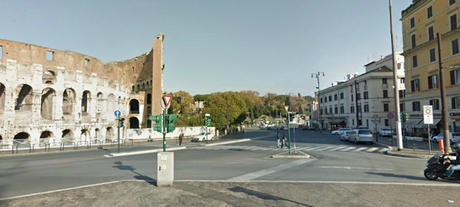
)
(100, 100)
(133, 123)
(111, 104)
(67, 133)
(2, 96)
(134, 106)
(134, 89)
(68, 101)
(47, 103)
(22, 135)
(149, 111)
(110, 133)
(97, 134)
(46, 134)
(143, 87)
(149, 123)
(138, 87)
(48, 77)
(24, 98)
(149, 98)
(85, 101)
(85, 136)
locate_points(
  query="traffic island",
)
(293, 154)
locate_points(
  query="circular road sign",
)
(117, 113)
(428, 111)
(390, 115)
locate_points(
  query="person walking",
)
(278, 140)
(180, 138)
(284, 141)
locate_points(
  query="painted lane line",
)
(353, 168)
(384, 149)
(360, 149)
(142, 152)
(314, 148)
(324, 148)
(347, 149)
(335, 149)
(372, 149)
(260, 173)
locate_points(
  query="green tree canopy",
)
(219, 105)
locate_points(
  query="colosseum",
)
(47, 95)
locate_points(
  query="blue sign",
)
(117, 113)
(390, 115)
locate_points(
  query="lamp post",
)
(317, 75)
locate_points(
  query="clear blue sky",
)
(216, 45)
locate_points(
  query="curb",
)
(227, 142)
(281, 155)
(143, 152)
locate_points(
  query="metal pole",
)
(445, 122)
(289, 133)
(163, 130)
(429, 140)
(119, 134)
(396, 84)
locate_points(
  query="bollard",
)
(441, 146)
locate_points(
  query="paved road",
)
(334, 160)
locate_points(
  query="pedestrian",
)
(284, 141)
(278, 140)
(180, 139)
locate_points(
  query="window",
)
(456, 102)
(49, 55)
(430, 33)
(330, 98)
(402, 93)
(386, 107)
(366, 95)
(387, 122)
(415, 86)
(412, 22)
(435, 104)
(366, 108)
(413, 40)
(401, 107)
(415, 106)
(455, 77)
(353, 122)
(341, 95)
(384, 81)
(330, 110)
(1, 52)
(385, 93)
(414, 61)
(321, 100)
(432, 81)
(342, 109)
(321, 112)
(358, 108)
(432, 55)
(325, 99)
(453, 22)
(352, 109)
(86, 62)
(336, 110)
(335, 97)
(351, 97)
(429, 12)
(451, 2)
(358, 96)
(454, 44)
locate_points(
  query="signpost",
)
(376, 120)
(119, 125)
(428, 119)
(164, 122)
(289, 129)
(390, 116)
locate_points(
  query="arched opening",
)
(84, 136)
(85, 100)
(143, 87)
(111, 104)
(149, 98)
(47, 103)
(149, 123)
(134, 89)
(22, 136)
(133, 123)
(2, 97)
(67, 134)
(99, 102)
(109, 134)
(68, 101)
(24, 98)
(46, 134)
(134, 106)
(149, 111)
(97, 135)
(48, 77)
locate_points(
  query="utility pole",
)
(445, 122)
(227, 113)
(396, 84)
(317, 75)
(356, 103)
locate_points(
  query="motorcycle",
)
(437, 167)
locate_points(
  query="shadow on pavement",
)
(263, 196)
(397, 176)
(138, 176)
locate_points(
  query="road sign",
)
(375, 120)
(117, 113)
(427, 114)
(207, 115)
(390, 115)
(287, 108)
(167, 100)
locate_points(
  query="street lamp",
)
(318, 118)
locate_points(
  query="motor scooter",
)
(437, 167)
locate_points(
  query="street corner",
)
(292, 155)
(410, 153)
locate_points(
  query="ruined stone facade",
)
(47, 93)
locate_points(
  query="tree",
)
(220, 104)
(200, 97)
(184, 107)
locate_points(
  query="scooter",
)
(437, 167)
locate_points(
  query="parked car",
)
(361, 135)
(202, 137)
(345, 136)
(453, 137)
(341, 131)
(385, 132)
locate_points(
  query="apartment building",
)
(421, 21)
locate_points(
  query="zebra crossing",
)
(337, 148)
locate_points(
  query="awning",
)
(411, 123)
(336, 121)
(421, 125)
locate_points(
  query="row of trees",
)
(230, 109)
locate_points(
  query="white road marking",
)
(347, 149)
(372, 149)
(384, 149)
(360, 149)
(353, 168)
(314, 148)
(336, 149)
(324, 148)
(271, 170)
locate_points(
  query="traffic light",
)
(169, 125)
(208, 122)
(157, 125)
(403, 117)
(120, 122)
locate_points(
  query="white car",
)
(345, 136)
(202, 137)
(385, 132)
(453, 137)
(341, 131)
(361, 135)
